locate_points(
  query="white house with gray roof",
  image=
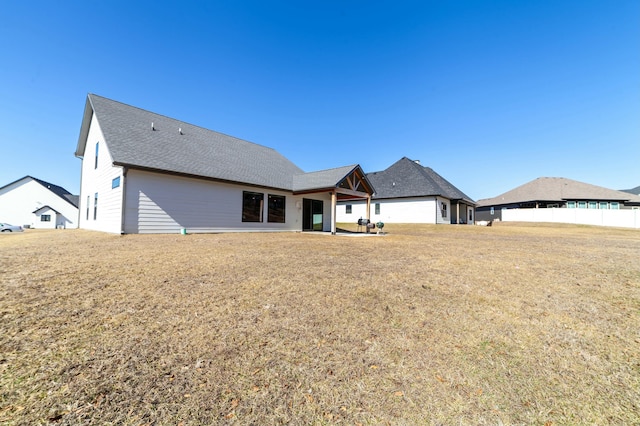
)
(34, 203)
(407, 192)
(143, 172)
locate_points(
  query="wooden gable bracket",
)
(350, 183)
(354, 184)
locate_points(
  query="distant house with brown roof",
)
(555, 192)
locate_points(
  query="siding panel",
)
(158, 203)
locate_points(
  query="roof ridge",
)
(555, 189)
(199, 152)
(56, 189)
(351, 166)
(175, 119)
(48, 185)
(413, 179)
(452, 187)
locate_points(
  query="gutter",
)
(192, 176)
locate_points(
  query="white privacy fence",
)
(619, 218)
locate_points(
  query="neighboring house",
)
(634, 191)
(147, 173)
(555, 192)
(408, 192)
(34, 203)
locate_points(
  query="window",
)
(348, 208)
(45, 218)
(276, 208)
(444, 210)
(604, 205)
(115, 182)
(95, 207)
(615, 205)
(377, 206)
(252, 206)
(493, 211)
(470, 216)
(571, 204)
(593, 205)
(582, 204)
(88, 201)
(97, 146)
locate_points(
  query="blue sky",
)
(490, 94)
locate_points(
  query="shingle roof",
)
(634, 191)
(179, 147)
(321, 179)
(407, 178)
(58, 190)
(556, 189)
(73, 199)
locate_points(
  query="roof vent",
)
(417, 161)
(152, 126)
(180, 130)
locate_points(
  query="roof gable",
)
(555, 189)
(43, 208)
(407, 178)
(329, 179)
(141, 139)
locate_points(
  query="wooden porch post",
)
(368, 207)
(334, 202)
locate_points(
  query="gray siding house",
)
(144, 172)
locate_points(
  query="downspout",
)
(124, 197)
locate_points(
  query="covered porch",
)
(463, 212)
(345, 183)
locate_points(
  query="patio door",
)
(312, 215)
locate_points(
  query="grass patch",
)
(464, 325)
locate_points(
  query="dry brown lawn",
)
(454, 325)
